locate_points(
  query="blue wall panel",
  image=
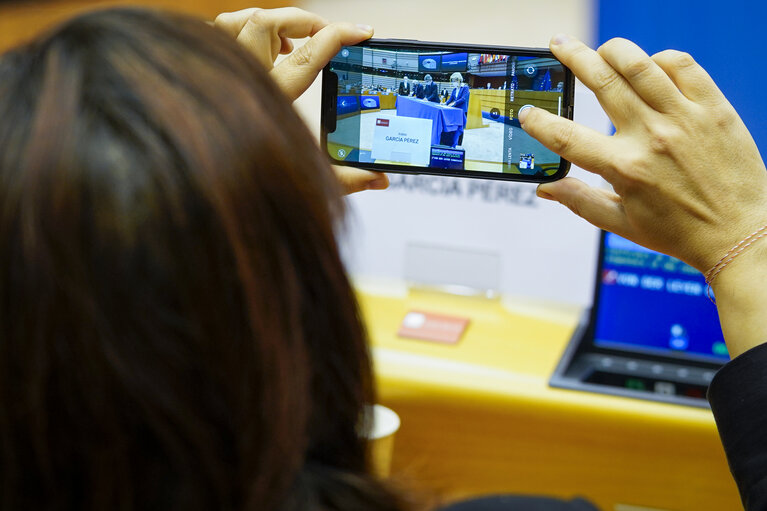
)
(726, 37)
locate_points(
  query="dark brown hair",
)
(176, 327)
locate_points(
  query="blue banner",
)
(347, 105)
(454, 62)
(429, 63)
(370, 102)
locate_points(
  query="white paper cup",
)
(383, 427)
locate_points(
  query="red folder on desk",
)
(432, 327)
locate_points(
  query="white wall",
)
(544, 252)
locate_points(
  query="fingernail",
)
(523, 115)
(378, 184)
(365, 28)
(561, 39)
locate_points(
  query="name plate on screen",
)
(402, 140)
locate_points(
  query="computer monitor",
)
(652, 332)
(647, 302)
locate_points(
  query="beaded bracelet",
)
(729, 256)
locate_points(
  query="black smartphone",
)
(444, 109)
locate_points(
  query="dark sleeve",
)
(431, 93)
(738, 397)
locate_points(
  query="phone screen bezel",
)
(330, 93)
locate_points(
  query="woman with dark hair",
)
(176, 327)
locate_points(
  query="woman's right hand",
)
(687, 176)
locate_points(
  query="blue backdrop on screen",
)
(347, 105)
(454, 62)
(370, 103)
(726, 38)
(427, 63)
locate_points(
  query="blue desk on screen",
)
(444, 118)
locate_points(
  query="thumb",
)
(356, 180)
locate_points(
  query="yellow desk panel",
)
(479, 418)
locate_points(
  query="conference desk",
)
(479, 417)
(445, 119)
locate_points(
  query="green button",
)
(635, 384)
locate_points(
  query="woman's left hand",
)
(266, 33)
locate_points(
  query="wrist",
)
(743, 271)
(741, 293)
(742, 246)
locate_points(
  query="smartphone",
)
(444, 109)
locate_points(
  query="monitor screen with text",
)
(651, 302)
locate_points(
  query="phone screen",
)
(445, 110)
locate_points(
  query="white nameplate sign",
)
(402, 140)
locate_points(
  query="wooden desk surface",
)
(479, 418)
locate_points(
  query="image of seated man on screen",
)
(441, 113)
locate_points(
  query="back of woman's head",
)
(176, 329)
